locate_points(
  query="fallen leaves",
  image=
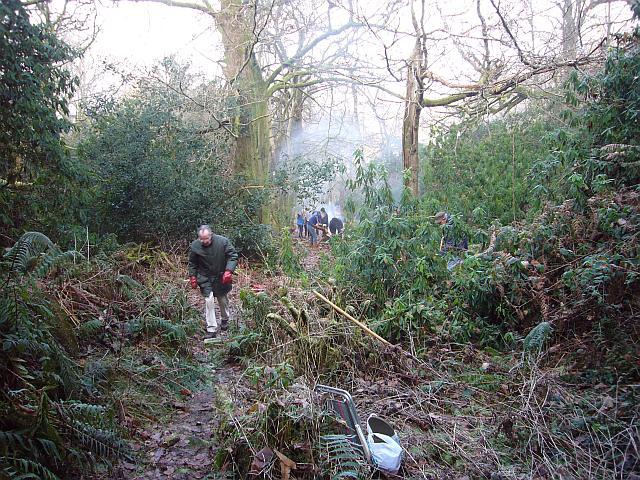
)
(286, 465)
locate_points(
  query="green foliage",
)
(45, 426)
(162, 171)
(26, 249)
(407, 317)
(342, 458)
(387, 250)
(486, 167)
(598, 150)
(249, 341)
(151, 325)
(275, 377)
(537, 337)
(571, 264)
(22, 468)
(61, 372)
(244, 343)
(287, 258)
(256, 307)
(35, 168)
(305, 179)
(33, 95)
(371, 181)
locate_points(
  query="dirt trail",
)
(184, 447)
(310, 257)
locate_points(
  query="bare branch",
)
(206, 7)
(503, 86)
(28, 3)
(513, 39)
(485, 37)
(256, 38)
(221, 123)
(310, 46)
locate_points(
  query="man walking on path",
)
(212, 260)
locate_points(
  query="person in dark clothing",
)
(452, 240)
(323, 217)
(300, 224)
(336, 226)
(305, 217)
(212, 260)
(311, 227)
(323, 223)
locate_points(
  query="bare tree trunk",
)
(570, 19)
(293, 116)
(251, 122)
(411, 121)
(294, 123)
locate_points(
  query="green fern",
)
(102, 442)
(16, 443)
(49, 448)
(13, 441)
(35, 251)
(53, 259)
(13, 310)
(21, 255)
(152, 325)
(90, 328)
(84, 411)
(130, 286)
(344, 458)
(537, 336)
(22, 468)
(33, 354)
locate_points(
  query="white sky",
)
(144, 33)
(136, 35)
(141, 33)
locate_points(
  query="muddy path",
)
(183, 445)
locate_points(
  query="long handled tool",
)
(347, 411)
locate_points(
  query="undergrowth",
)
(76, 366)
(519, 362)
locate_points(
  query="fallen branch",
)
(366, 329)
(286, 326)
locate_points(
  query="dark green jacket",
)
(209, 263)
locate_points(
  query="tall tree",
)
(502, 81)
(34, 91)
(413, 101)
(241, 26)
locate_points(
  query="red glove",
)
(227, 277)
(194, 282)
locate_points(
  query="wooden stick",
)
(367, 330)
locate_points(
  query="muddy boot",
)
(210, 335)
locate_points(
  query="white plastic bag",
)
(384, 445)
(386, 452)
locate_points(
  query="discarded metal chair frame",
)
(346, 409)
